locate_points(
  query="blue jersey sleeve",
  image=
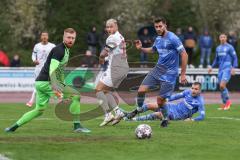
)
(177, 44)
(201, 111)
(234, 57)
(178, 96)
(154, 48)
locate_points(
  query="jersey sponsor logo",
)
(222, 53)
(209, 82)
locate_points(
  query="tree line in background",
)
(23, 20)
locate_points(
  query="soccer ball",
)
(143, 131)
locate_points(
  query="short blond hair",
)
(111, 21)
(69, 30)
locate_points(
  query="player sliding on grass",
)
(165, 73)
(115, 73)
(226, 59)
(51, 80)
(192, 103)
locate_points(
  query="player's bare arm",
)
(36, 62)
(103, 54)
(233, 71)
(138, 45)
(184, 58)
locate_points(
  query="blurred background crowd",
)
(197, 23)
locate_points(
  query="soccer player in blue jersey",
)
(164, 74)
(226, 60)
(192, 103)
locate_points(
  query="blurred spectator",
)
(15, 61)
(92, 40)
(232, 39)
(4, 61)
(146, 40)
(102, 39)
(190, 40)
(180, 34)
(88, 60)
(205, 44)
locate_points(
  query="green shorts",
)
(43, 93)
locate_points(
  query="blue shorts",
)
(165, 82)
(224, 75)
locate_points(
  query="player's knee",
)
(142, 89)
(222, 86)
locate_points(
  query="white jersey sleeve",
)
(117, 54)
(41, 51)
(112, 42)
(34, 53)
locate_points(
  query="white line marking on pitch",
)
(228, 118)
(2, 157)
(38, 119)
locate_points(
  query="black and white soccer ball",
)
(143, 131)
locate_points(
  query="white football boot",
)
(108, 118)
(118, 116)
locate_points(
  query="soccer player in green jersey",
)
(51, 81)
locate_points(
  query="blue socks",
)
(224, 95)
(140, 99)
(147, 117)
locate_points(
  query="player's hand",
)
(233, 71)
(36, 62)
(164, 123)
(183, 79)
(209, 70)
(59, 95)
(101, 60)
(138, 44)
(58, 89)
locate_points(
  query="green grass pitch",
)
(48, 138)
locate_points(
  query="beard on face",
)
(161, 33)
(69, 45)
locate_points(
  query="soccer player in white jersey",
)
(115, 73)
(39, 56)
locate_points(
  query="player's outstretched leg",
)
(161, 104)
(27, 117)
(140, 101)
(75, 111)
(44, 92)
(225, 97)
(144, 108)
(74, 108)
(103, 102)
(113, 103)
(149, 117)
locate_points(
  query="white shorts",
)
(113, 77)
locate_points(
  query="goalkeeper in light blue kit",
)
(226, 59)
(192, 103)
